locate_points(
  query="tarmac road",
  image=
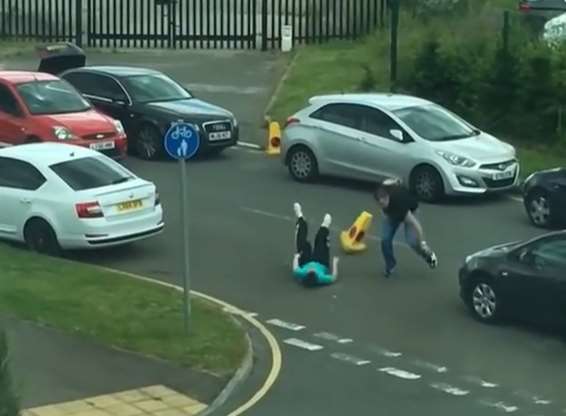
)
(414, 347)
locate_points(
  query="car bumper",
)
(477, 181)
(99, 232)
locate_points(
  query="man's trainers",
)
(298, 209)
(432, 260)
(388, 272)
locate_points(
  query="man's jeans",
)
(388, 231)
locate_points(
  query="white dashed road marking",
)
(385, 353)
(328, 336)
(447, 388)
(249, 145)
(303, 344)
(507, 408)
(349, 358)
(430, 366)
(287, 325)
(392, 371)
(479, 381)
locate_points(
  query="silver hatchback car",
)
(376, 136)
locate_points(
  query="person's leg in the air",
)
(388, 230)
(420, 247)
(321, 252)
(302, 244)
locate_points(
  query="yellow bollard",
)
(274, 139)
(351, 238)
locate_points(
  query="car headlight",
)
(62, 133)
(119, 127)
(456, 160)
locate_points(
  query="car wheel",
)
(426, 184)
(302, 164)
(483, 301)
(539, 210)
(149, 143)
(40, 237)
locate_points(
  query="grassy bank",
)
(339, 67)
(118, 310)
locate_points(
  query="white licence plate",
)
(221, 135)
(102, 146)
(503, 175)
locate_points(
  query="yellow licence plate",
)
(129, 205)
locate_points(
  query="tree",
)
(9, 403)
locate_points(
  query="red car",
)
(39, 107)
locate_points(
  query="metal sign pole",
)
(182, 142)
(185, 245)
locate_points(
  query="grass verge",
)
(339, 67)
(116, 310)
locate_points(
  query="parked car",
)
(38, 107)
(373, 136)
(146, 101)
(58, 196)
(544, 197)
(522, 279)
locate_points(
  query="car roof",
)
(116, 71)
(17, 77)
(46, 154)
(386, 101)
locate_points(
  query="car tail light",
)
(525, 7)
(89, 210)
(157, 199)
(291, 120)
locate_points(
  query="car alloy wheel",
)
(302, 164)
(484, 301)
(538, 207)
(148, 143)
(427, 184)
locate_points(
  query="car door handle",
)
(504, 274)
(25, 200)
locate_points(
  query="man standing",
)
(399, 206)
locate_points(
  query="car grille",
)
(500, 183)
(498, 166)
(99, 136)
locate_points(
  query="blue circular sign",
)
(182, 141)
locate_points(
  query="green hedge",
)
(9, 404)
(458, 59)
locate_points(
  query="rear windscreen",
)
(89, 173)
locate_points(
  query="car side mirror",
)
(397, 134)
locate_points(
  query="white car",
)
(57, 197)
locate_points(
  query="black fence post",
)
(393, 47)
(505, 32)
(79, 23)
(264, 25)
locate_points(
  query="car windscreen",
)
(90, 173)
(52, 97)
(434, 123)
(154, 87)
